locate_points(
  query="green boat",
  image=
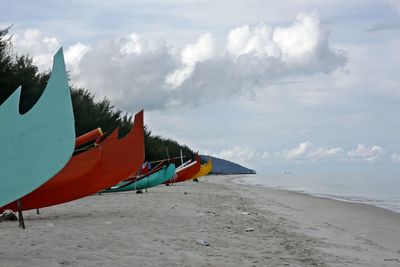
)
(154, 179)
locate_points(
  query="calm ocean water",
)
(378, 190)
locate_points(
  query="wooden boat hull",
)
(204, 169)
(186, 172)
(155, 179)
(38, 144)
(107, 164)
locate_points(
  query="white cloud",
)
(130, 77)
(41, 48)
(307, 151)
(151, 74)
(256, 57)
(74, 54)
(301, 40)
(366, 153)
(242, 154)
(395, 157)
(258, 41)
(201, 51)
(296, 153)
(303, 152)
(131, 44)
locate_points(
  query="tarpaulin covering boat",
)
(38, 144)
(117, 160)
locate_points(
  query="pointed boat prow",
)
(36, 145)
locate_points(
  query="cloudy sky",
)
(273, 85)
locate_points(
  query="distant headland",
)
(222, 166)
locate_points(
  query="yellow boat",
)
(205, 169)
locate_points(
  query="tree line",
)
(19, 70)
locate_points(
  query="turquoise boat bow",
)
(157, 178)
(36, 145)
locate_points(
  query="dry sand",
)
(165, 227)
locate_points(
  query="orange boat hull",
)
(91, 171)
(87, 137)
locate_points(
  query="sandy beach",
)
(211, 223)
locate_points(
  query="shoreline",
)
(171, 226)
(322, 196)
(375, 226)
(369, 202)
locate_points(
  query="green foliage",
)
(90, 115)
(158, 147)
(16, 70)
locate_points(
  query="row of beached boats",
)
(41, 167)
(164, 173)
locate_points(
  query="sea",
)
(368, 188)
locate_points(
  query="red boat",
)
(91, 171)
(186, 172)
